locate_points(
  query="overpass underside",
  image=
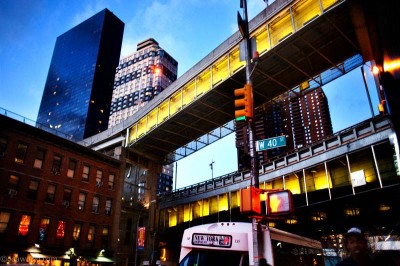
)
(297, 41)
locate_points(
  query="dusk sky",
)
(187, 29)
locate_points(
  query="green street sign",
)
(271, 143)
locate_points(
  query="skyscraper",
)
(302, 117)
(139, 78)
(77, 95)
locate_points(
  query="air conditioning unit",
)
(99, 183)
(108, 211)
(12, 192)
(65, 204)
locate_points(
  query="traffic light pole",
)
(254, 171)
(250, 122)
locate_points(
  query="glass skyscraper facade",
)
(79, 86)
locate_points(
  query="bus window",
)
(215, 258)
(289, 254)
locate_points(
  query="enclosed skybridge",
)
(355, 160)
(296, 40)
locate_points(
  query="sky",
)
(187, 29)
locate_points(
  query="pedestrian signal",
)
(279, 202)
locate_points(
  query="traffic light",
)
(279, 202)
(250, 200)
(244, 102)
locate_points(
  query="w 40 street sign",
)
(271, 143)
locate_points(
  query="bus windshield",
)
(215, 258)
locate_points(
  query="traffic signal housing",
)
(244, 102)
(279, 203)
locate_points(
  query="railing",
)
(344, 137)
(33, 123)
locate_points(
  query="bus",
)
(231, 244)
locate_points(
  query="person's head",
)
(355, 242)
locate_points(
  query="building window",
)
(40, 153)
(77, 232)
(21, 153)
(111, 178)
(60, 230)
(44, 225)
(56, 167)
(24, 225)
(3, 146)
(71, 168)
(108, 207)
(99, 177)
(91, 232)
(85, 173)
(33, 189)
(95, 204)
(81, 201)
(4, 218)
(67, 197)
(13, 183)
(50, 195)
(104, 236)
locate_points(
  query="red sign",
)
(141, 237)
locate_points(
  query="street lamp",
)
(212, 169)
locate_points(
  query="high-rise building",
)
(139, 78)
(302, 117)
(307, 118)
(77, 95)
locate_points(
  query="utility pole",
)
(254, 171)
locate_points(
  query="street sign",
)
(271, 143)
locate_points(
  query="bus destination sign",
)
(224, 241)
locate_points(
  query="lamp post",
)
(212, 169)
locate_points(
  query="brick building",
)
(58, 199)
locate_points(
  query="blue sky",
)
(187, 29)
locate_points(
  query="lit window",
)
(33, 189)
(13, 182)
(104, 235)
(77, 232)
(60, 230)
(91, 233)
(44, 224)
(95, 204)
(21, 153)
(24, 225)
(39, 159)
(99, 176)
(50, 195)
(108, 206)
(111, 178)
(85, 173)
(4, 218)
(71, 168)
(81, 201)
